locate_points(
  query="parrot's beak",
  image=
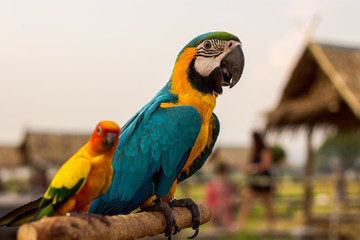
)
(109, 140)
(232, 66)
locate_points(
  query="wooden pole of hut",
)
(308, 171)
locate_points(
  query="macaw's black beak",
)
(109, 140)
(232, 66)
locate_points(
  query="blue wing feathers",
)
(200, 160)
(156, 141)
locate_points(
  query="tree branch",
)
(121, 227)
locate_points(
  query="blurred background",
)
(66, 65)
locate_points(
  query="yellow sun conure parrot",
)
(171, 137)
(84, 177)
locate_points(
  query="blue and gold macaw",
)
(171, 137)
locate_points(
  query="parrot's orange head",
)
(105, 137)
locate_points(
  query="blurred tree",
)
(339, 154)
(278, 154)
(342, 150)
(279, 169)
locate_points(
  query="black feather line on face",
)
(208, 54)
(208, 84)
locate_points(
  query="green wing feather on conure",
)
(41, 207)
(48, 206)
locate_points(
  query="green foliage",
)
(278, 154)
(344, 145)
(344, 148)
(247, 236)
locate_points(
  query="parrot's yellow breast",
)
(187, 95)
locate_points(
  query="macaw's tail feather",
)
(20, 215)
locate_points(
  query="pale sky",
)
(66, 65)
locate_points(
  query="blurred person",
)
(220, 195)
(259, 181)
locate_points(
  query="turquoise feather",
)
(150, 156)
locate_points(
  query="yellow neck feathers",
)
(181, 86)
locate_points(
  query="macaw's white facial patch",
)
(204, 65)
(210, 53)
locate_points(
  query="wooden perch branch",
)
(121, 227)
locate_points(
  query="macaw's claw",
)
(176, 229)
(195, 234)
(88, 216)
(170, 220)
(194, 209)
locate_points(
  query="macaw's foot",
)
(170, 220)
(89, 216)
(194, 209)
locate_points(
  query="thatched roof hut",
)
(233, 156)
(324, 88)
(45, 150)
(10, 157)
(43, 153)
(42, 149)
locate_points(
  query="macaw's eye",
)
(230, 44)
(207, 44)
(99, 131)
